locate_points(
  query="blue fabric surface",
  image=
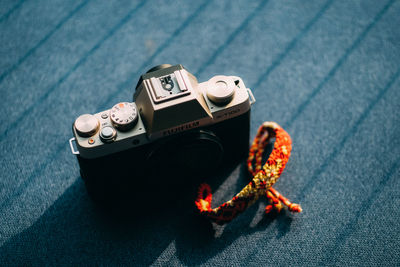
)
(327, 71)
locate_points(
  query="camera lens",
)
(197, 153)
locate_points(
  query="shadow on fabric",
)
(72, 231)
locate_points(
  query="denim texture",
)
(327, 71)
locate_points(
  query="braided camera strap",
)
(263, 178)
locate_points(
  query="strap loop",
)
(264, 177)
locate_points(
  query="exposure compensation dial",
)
(124, 116)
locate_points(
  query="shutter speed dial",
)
(124, 116)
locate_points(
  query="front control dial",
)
(86, 125)
(124, 116)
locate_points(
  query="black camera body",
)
(176, 133)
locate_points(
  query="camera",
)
(175, 131)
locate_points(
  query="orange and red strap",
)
(263, 178)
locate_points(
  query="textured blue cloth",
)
(327, 71)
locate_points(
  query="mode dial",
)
(86, 125)
(124, 116)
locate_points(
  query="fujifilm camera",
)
(176, 129)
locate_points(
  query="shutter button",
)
(107, 134)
